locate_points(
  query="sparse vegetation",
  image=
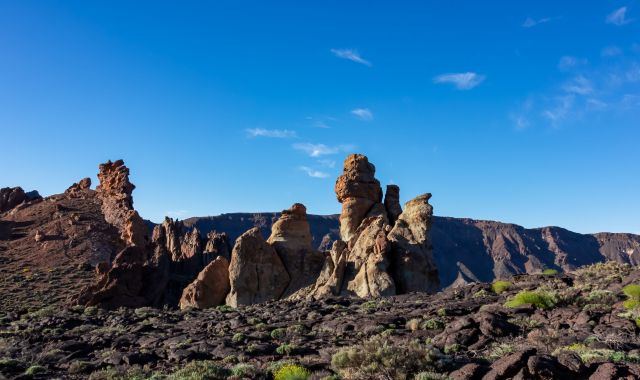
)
(35, 370)
(500, 286)
(538, 299)
(378, 356)
(278, 333)
(550, 272)
(200, 370)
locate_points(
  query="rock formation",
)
(358, 191)
(217, 245)
(115, 191)
(414, 268)
(79, 186)
(11, 197)
(291, 238)
(384, 251)
(256, 272)
(210, 287)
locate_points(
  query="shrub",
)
(243, 370)
(200, 370)
(500, 286)
(412, 324)
(433, 324)
(278, 333)
(237, 337)
(540, 300)
(550, 272)
(369, 306)
(291, 372)
(35, 370)
(589, 355)
(431, 376)
(285, 349)
(632, 291)
(378, 356)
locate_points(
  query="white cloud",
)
(320, 124)
(274, 133)
(618, 17)
(611, 51)
(351, 55)
(318, 150)
(561, 110)
(314, 173)
(327, 163)
(530, 22)
(362, 114)
(462, 81)
(579, 85)
(566, 62)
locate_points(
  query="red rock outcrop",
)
(210, 288)
(217, 245)
(392, 203)
(256, 272)
(291, 238)
(79, 186)
(358, 190)
(11, 197)
(115, 191)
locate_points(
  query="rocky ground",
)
(579, 326)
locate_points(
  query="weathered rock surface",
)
(210, 288)
(358, 190)
(79, 186)
(291, 238)
(414, 268)
(117, 203)
(217, 245)
(392, 203)
(256, 272)
(331, 278)
(11, 197)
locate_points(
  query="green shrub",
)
(540, 300)
(237, 337)
(433, 324)
(369, 306)
(379, 356)
(550, 272)
(291, 372)
(243, 370)
(285, 349)
(278, 333)
(430, 376)
(589, 355)
(200, 370)
(35, 370)
(632, 291)
(500, 286)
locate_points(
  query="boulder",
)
(217, 245)
(358, 190)
(256, 272)
(329, 282)
(10, 197)
(414, 268)
(79, 186)
(291, 238)
(115, 191)
(210, 287)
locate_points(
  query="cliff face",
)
(467, 248)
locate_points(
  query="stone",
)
(392, 203)
(115, 191)
(368, 263)
(79, 186)
(507, 367)
(39, 236)
(329, 282)
(414, 267)
(256, 272)
(10, 197)
(210, 288)
(469, 371)
(358, 190)
(217, 245)
(291, 238)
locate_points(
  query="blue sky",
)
(524, 112)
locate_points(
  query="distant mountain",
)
(468, 250)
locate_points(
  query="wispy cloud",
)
(318, 150)
(567, 62)
(618, 17)
(578, 85)
(313, 173)
(563, 105)
(362, 114)
(351, 55)
(530, 22)
(462, 81)
(611, 51)
(327, 163)
(273, 133)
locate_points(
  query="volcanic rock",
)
(217, 245)
(210, 287)
(291, 238)
(358, 190)
(331, 277)
(392, 203)
(414, 268)
(256, 272)
(10, 197)
(79, 186)
(117, 203)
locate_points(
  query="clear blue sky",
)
(523, 111)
